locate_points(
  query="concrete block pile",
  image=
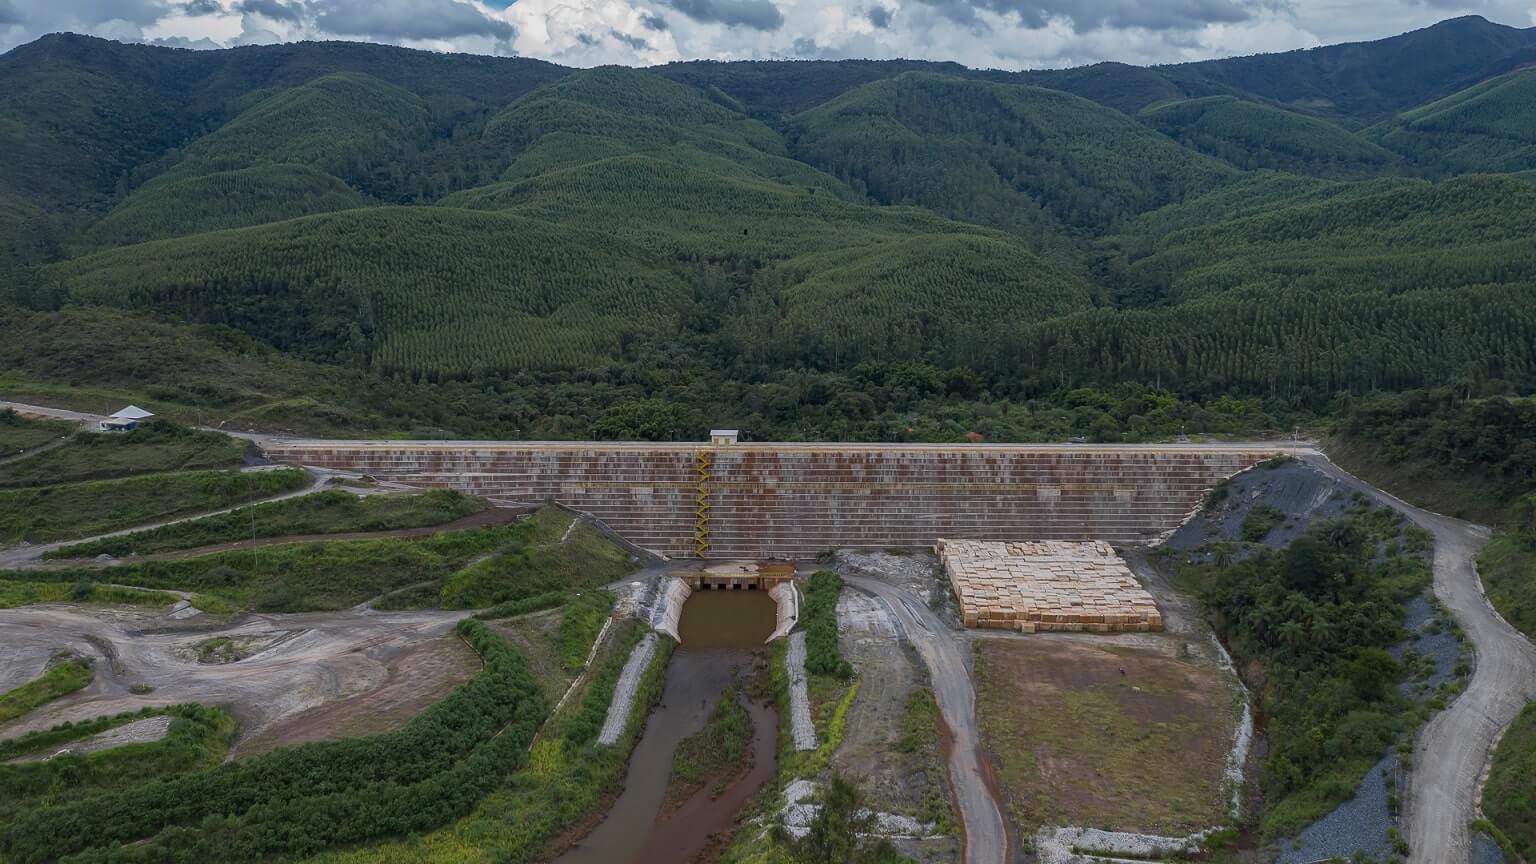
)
(1047, 585)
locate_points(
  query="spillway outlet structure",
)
(1047, 585)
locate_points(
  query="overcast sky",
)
(1010, 34)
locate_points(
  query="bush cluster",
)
(819, 617)
(198, 737)
(1313, 624)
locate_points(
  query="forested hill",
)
(1355, 84)
(365, 239)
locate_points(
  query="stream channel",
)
(721, 632)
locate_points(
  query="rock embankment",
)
(624, 692)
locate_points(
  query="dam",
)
(789, 500)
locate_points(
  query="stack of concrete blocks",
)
(797, 500)
(1047, 585)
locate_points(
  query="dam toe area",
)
(750, 501)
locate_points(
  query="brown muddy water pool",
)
(720, 632)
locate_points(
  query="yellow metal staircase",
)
(701, 463)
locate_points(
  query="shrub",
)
(819, 618)
(1261, 519)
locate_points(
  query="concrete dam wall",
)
(764, 500)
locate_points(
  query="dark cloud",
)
(756, 14)
(1088, 15)
(408, 19)
(8, 14)
(634, 42)
(880, 16)
(202, 7)
(653, 22)
(273, 9)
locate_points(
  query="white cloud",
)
(1011, 34)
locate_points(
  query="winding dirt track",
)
(986, 840)
(1453, 748)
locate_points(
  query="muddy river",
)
(720, 631)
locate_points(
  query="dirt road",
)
(1453, 748)
(986, 840)
(298, 662)
(52, 413)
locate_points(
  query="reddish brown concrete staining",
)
(793, 501)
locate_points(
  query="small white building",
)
(723, 437)
(126, 420)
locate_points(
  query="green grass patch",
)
(717, 749)
(18, 433)
(197, 739)
(811, 764)
(330, 512)
(536, 603)
(919, 743)
(1509, 799)
(580, 621)
(59, 680)
(819, 618)
(45, 514)
(1507, 566)
(220, 649)
(154, 447)
(303, 577)
(13, 594)
(540, 563)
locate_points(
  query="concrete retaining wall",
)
(793, 501)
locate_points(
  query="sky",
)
(1006, 34)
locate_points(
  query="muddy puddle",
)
(720, 632)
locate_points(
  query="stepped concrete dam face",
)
(766, 500)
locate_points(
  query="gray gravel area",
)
(801, 727)
(624, 692)
(1302, 492)
(915, 571)
(1437, 644)
(1485, 851)
(1359, 824)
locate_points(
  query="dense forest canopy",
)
(356, 238)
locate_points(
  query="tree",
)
(638, 420)
(836, 834)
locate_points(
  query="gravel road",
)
(986, 840)
(1453, 748)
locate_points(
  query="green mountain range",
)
(349, 237)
